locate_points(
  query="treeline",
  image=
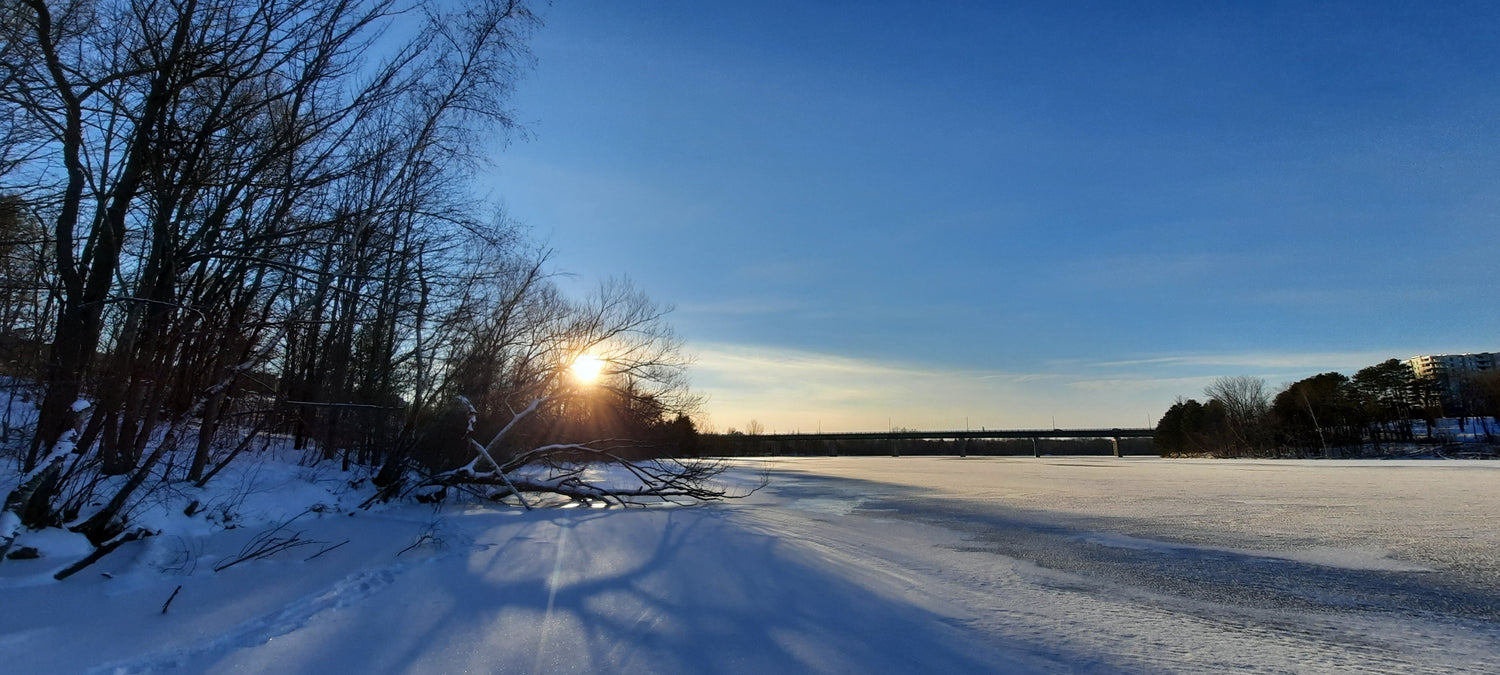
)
(1322, 415)
(227, 223)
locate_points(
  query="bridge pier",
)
(1034, 451)
(1115, 441)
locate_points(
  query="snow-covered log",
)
(12, 515)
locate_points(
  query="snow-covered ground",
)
(1465, 430)
(913, 564)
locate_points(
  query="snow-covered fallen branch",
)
(596, 471)
(636, 482)
(102, 550)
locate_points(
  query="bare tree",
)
(1247, 402)
(189, 156)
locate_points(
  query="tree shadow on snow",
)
(662, 590)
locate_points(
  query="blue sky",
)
(1001, 214)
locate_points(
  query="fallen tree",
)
(587, 472)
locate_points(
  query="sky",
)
(1022, 214)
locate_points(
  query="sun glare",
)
(587, 367)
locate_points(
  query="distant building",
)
(1448, 372)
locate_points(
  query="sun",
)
(587, 368)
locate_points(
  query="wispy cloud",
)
(1261, 360)
(1346, 297)
(742, 307)
(789, 389)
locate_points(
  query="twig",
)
(330, 548)
(426, 536)
(170, 598)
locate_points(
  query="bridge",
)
(1114, 435)
(911, 435)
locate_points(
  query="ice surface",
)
(1329, 556)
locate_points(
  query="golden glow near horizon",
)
(587, 368)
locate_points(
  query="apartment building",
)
(1448, 371)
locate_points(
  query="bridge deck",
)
(956, 435)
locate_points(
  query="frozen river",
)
(1381, 515)
(1292, 565)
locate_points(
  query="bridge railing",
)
(993, 442)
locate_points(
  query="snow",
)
(9, 525)
(1465, 430)
(839, 565)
